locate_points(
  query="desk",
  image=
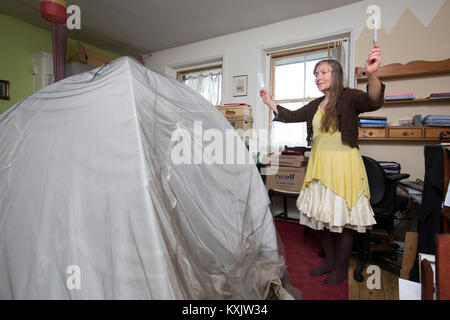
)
(415, 190)
(285, 195)
(418, 186)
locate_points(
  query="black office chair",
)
(385, 203)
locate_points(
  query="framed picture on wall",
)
(240, 86)
(4, 89)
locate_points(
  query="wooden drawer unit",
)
(236, 113)
(402, 133)
(434, 133)
(405, 133)
(367, 133)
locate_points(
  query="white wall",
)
(244, 52)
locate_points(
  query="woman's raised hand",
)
(373, 60)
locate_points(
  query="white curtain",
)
(208, 83)
(340, 53)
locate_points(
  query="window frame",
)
(309, 47)
(200, 69)
(291, 53)
(286, 54)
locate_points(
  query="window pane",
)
(311, 90)
(289, 134)
(289, 81)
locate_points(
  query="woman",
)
(335, 193)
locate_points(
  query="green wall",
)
(19, 41)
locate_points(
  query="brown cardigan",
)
(351, 103)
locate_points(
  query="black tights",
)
(337, 247)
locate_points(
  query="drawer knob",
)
(370, 133)
(405, 133)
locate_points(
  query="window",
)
(293, 86)
(206, 81)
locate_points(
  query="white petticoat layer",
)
(321, 208)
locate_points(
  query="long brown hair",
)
(329, 120)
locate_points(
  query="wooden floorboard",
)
(353, 285)
(360, 291)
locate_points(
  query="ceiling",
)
(146, 26)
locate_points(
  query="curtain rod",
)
(312, 45)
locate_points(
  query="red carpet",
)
(301, 255)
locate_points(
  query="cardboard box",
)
(239, 124)
(288, 161)
(89, 56)
(286, 179)
(236, 113)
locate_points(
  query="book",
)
(236, 104)
(369, 125)
(372, 121)
(400, 95)
(391, 167)
(391, 171)
(387, 98)
(373, 118)
(436, 120)
(442, 95)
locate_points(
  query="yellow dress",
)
(335, 192)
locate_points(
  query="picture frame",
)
(4, 89)
(240, 86)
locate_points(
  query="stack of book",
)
(239, 115)
(372, 121)
(443, 95)
(390, 167)
(437, 120)
(401, 96)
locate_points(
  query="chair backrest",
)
(377, 180)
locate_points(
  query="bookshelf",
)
(411, 69)
(417, 101)
(404, 71)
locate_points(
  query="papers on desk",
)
(409, 290)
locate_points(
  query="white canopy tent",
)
(92, 205)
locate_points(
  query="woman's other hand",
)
(267, 99)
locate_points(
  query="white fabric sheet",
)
(87, 180)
